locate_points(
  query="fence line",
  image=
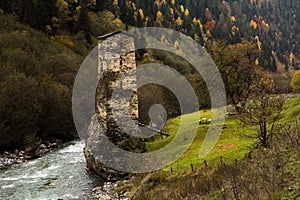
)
(194, 167)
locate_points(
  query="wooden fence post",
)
(221, 161)
(205, 163)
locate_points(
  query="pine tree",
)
(84, 24)
(104, 5)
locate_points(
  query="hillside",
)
(234, 169)
(36, 81)
(270, 27)
(272, 24)
(255, 45)
(38, 68)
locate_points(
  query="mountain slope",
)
(274, 25)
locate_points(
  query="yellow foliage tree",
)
(78, 9)
(259, 44)
(61, 4)
(208, 33)
(200, 25)
(141, 13)
(253, 24)
(159, 16)
(173, 2)
(291, 57)
(172, 11)
(133, 6)
(233, 20)
(235, 28)
(179, 21)
(182, 8)
(195, 20)
(257, 61)
(265, 24)
(186, 13)
(147, 21)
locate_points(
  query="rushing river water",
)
(57, 175)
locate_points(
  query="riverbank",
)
(59, 174)
(108, 191)
(9, 158)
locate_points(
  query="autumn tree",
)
(237, 66)
(263, 109)
(159, 18)
(140, 18)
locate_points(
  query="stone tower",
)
(115, 63)
(122, 68)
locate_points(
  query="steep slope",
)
(42, 44)
(272, 24)
(36, 79)
(263, 173)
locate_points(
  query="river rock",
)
(52, 145)
(42, 146)
(8, 159)
(106, 192)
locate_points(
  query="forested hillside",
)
(43, 43)
(274, 25)
(35, 86)
(254, 43)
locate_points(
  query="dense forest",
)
(42, 44)
(273, 25)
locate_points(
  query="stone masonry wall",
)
(110, 75)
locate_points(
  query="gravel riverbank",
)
(107, 192)
(9, 158)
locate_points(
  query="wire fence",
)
(194, 167)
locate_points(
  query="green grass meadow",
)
(235, 142)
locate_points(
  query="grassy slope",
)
(232, 144)
(268, 174)
(291, 110)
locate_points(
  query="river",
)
(57, 175)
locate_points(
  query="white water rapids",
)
(57, 175)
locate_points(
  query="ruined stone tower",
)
(121, 72)
(117, 74)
